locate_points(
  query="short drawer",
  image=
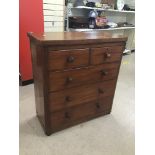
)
(106, 54)
(64, 59)
(80, 95)
(87, 75)
(74, 115)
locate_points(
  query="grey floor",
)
(109, 135)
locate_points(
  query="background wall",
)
(53, 11)
(131, 3)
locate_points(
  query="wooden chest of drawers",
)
(75, 75)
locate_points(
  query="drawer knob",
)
(107, 49)
(67, 115)
(100, 91)
(69, 79)
(68, 98)
(70, 59)
(103, 72)
(97, 105)
(107, 55)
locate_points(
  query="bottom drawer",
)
(75, 115)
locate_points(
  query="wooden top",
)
(62, 38)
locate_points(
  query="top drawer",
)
(106, 54)
(65, 59)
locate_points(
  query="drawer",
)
(64, 59)
(76, 77)
(70, 116)
(106, 54)
(79, 95)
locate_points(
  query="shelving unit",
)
(113, 15)
(99, 9)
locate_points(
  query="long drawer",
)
(76, 77)
(106, 54)
(63, 59)
(70, 116)
(80, 95)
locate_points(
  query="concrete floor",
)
(109, 135)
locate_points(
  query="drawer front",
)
(69, 116)
(106, 54)
(68, 79)
(79, 95)
(64, 59)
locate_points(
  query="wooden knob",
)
(100, 91)
(67, 115)
(68, 98)
(103, 72)
(97, 105)
(107, 55)
(69, 79)
(107, 49)
(70, 59)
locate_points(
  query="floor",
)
(109, 135)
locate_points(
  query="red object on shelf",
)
(30, 20)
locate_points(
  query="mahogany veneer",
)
(75, 75)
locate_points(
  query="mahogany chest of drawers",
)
(75, 75)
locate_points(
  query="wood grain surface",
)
(75, 76)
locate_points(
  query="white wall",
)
(53, 11)
(131, 3)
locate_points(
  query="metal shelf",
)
(101, 9)
(109, 29)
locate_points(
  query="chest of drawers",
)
(75, 75)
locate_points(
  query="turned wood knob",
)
(70, 59)
(67, 115)
(107, 55)
(103, 72)
(69, 79)
(68, 98)
(100, 90)
(97, 105)
(107, 49)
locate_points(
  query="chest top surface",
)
(62, 38)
